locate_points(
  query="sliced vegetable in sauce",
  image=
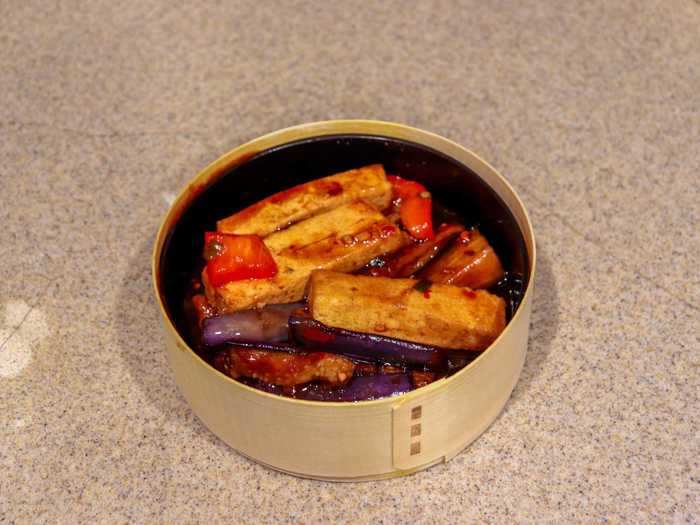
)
(469, 261)
(365, 346)
(415, 206)
(363, 388)
(403, 189)
(416, 216)
(414, 257)
(236, 257)
(269, 324)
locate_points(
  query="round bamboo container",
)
(364, 440)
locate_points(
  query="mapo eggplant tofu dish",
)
(350, 287)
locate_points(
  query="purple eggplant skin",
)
(359, 388)
(362, 388)
(363, 346)
(273, 346)
(269, 324)
(375, 387)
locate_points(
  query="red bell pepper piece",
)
(403, 188)
(236, 257)
(415, 206)
(417, 216)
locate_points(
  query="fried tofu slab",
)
(342, 239)
(442, 315)
(306, 200)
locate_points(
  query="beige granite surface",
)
(591, 109)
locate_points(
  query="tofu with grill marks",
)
(343, 239)
(443, 315)
(301, 202)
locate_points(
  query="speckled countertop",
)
(591, 109)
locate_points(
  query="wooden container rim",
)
(244, 152)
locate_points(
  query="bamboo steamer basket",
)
(364, 440)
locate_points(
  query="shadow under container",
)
(363, 440)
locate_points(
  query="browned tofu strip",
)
(444, 315)
(300, 202)
(342, 239)
(470, 261)
(285, 369)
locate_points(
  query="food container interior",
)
(260, 174)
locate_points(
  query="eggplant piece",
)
(413, 258)
(269, 324)
(282, 346)
(362, 388)
(364, 346)
(359, 388)
(470, 261)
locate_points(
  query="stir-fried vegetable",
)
(363, 388)
(415, 207)
(364, 346)
(236, 257)
(413, 258)
(470, 261)
(269, 324)
(403, 189)
(416, 216)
